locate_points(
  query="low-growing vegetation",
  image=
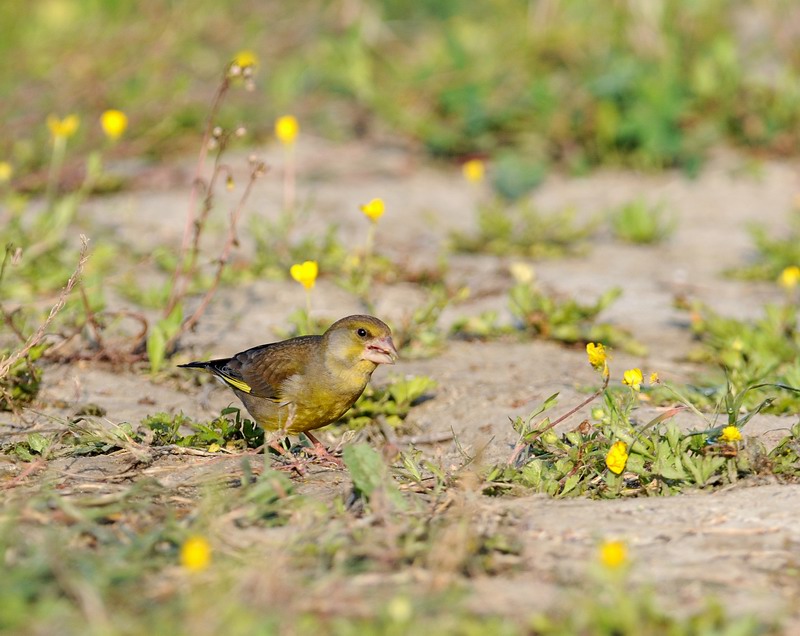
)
(167, 522)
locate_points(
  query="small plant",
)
(371, 476)
(278, 245)
(616, 457)
(545, 315)
(223, 432)
(758, 357)
(642, 223)
(418, 334)
(162, 337)
(610, 603)
(19, 385)
(522, 230)
(773, 255)
(393, 402)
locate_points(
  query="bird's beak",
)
(380, 351)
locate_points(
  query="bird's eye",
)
(362, 333)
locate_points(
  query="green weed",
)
(223, 432)
(773, 254)
(393, 402)
(755, 358)
(545, 315)
(522, 230)
(615, 457)
(21, 384)
(642, 223)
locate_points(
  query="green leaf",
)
(369, 473)
(570, 483)
(38, 442)
(156, 348)
(635, 464)
(172, 323)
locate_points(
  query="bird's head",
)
(360, 338)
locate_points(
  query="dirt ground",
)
(741, 545)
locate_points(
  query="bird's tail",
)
(219, 369)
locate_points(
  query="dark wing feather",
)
(265, 368)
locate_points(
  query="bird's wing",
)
(261, 371)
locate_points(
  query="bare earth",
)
(741, 545)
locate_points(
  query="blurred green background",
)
(573, 83)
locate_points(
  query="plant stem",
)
(289, 179)
(56, 163)
(179, 276)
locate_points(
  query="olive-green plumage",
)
(304, 383)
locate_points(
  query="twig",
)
(525, 440)
(179, 276)
(29, 469)
(231, 241)
(7, 363)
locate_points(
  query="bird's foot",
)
(286, 460)
(322, 454)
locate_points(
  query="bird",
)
(304, 383)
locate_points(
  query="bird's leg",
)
(318, 449)
(291, 462)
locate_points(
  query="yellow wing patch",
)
(236, 383)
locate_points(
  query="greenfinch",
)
(304, 383)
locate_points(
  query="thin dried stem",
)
(179, 276)
(10, 361)
(525, 440)
(231, 241)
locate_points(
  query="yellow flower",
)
(114, 123)
(63, 128)
(286, 129)
(522, 272)
(6, 171)
(617, 457)
(598, 356)
(730, 434)
(789, 277)
(195, 554)
(400, 609)
(373, 210)
(245, 59)
(473, 170)
(613, 554)
(305, 273)
(633, 378)
(654, 379)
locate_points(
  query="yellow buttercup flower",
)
(473, 170)
(522, 272)
(730, 434)
(286, 129)
(633, 378)
(617, 457)
(374, 209)
(114, 122)
(305, 273)
(195, 554)
(245, 59)
(6, 171)
(613, 554)
(790, 277)
(654, 379)
(598, 357)
(63, 128)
